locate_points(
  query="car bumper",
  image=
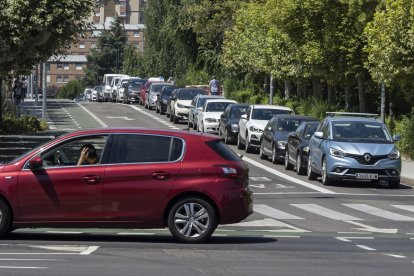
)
(254, 139)
(350, 169)
(181, 112)
(211, 127)
(236, 205)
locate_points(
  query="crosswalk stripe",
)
(405, 207)
(379, 212)
(325, 212)
(272, 212)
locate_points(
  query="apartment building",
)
(63, 69)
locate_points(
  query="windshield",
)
(288, 124)
(357, 131)
(109, 80)
(236, 112)
(157, 87)
(135, 83)
(167, 91)
(216, 107)
(189, 94)
(309, 131)
(267, 113)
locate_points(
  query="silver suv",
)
(354, 146)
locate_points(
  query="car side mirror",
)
(293, 135)
(318, 134)
(36, 163)
(244, 116)
(396, 137)
(269, 128)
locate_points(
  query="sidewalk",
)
(29, 108)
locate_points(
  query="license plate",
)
(366, 176)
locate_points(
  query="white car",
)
(196, 107)
(106, 86)
(120, 88)
(180, 102)
(153, 91)
(209, 117)
(252, 123)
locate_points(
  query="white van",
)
(106, 85)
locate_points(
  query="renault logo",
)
(367, 157)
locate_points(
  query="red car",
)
(130, 178)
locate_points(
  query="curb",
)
(407, 181)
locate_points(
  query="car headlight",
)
(281, 144)
(337, 153)
(154, 97)
(180, 105)
(234, 127)
(306, 149)
(255, 129)
(394, 155)
(210, 120)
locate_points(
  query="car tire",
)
(189, 124)
(187, 215)
(262, 155)
(394, 184)
(239, 143)
(325, 178)
(299, 167)
(310, 173)
(274, 156)
(226, 137)
(288, 166)
(195, 127)
(5, 218)
(171, 118)
(175, 120)
(157, 110)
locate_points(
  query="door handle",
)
(161, 175)
(91, 180)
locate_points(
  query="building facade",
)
(72, 66)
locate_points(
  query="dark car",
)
(132, 93)
(275, 134)
(297, 148)
(128, 178)
(229, 122)
(162, 99)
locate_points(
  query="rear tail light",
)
(229, 172)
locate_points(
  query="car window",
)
(267, 114)
(325, 129)
(139, 148)
(360, 131)
(216, 106)
(288, 124)
(189, 94)
(309, 131)
(236, 112)
(299, 131)
(223, 150)
(69, 152)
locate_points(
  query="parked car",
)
(153, 91)
(140, 178)
(162, 99)
(97, 95)
(359, 147)
(114, 87)
(229, 122)
(120, 88)
(251, 124)
(106, 86)
(196, 106)
(209, 117)
(88, 94)
(145, 87)
(180, 102)
(298, 146)
(275, 135)
(132, 92)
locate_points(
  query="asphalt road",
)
(299, 227)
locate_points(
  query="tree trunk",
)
(331, 94)
(316, 87)
(347, 96)
(299, 89)
(288, 89)
(361, 92)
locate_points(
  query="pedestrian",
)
(214, 86)
(17, 96)
(24, 88)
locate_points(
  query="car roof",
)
(266, 106)
(352, 118)
(210, 96)
(292, 116)
(220, 101)
(191, 89)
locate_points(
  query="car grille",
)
(354, 171)
(361, 158)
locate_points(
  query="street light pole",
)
(116, 55)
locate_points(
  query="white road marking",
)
(138, 234)
(366, 247)
(396, 256)
(325, 212)
(270, 223)
(63, 232)
(281, 186)
(259, 178)
(259, 186)
(348, 239)
(287, 177)
(24, 267)
(379, 212)
(405, 207)
(279, 236)
(272, 212)
(89, 250)
(372, 229)
(31, 260)
(93, 116)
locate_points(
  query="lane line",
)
(379, 212)
(396, 256)
(272, 212)
(287, 177)
(366, 247)
(325, 212)
(25, 267)
(93, 116)
(89, 250)
(348, 239)
(405, 207)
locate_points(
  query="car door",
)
(143, 168)
(243, 122)
(267, 137)
(224, 118)
(318, 146)
(294, 141)
(63, 190)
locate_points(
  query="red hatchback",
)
(129, 178)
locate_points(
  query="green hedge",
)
(24, 124)
(405, 128)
